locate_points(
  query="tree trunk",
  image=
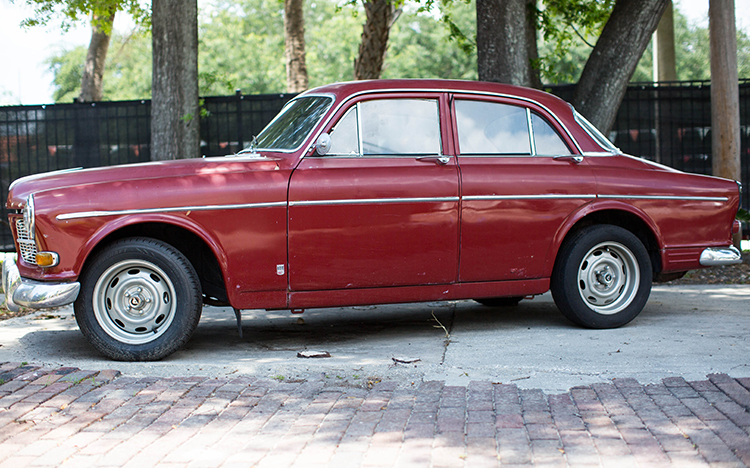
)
(506, 42)
(294, 40)
(665, 65)
(612, 62)
(174, 103)
(93, 69)
(725, 98)
(380, 18)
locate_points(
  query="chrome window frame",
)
(316, 128)
(360, 141)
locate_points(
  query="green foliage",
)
(67, 68)
(241, 46)
(692, 53)
(127, 75)
(568, 30)
(743, 215)
(69, 12)
(434, 44)
(332, 38)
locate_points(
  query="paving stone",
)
(55, 417)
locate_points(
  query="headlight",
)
(28, 216)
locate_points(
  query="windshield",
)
(595, 133)
(294, 123)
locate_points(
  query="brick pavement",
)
(72, 417)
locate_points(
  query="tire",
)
(499, 301)
(140, 300)
(602, 277)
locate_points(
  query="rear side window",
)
(547, 141)
(492, 128)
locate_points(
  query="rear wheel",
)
(602, 277)
(140, 300)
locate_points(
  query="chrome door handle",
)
(576, 158)
(442, 160)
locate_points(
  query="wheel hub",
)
(604, 277)
(134, 301)
(608, 278)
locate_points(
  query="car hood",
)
(177, 169)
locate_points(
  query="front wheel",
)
(140, 300)
(602, 277)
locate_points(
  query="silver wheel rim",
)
(608, 278)
(134, 302)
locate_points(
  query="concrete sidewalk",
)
(70, 417)
(685, 331)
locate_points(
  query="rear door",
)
(520, 181)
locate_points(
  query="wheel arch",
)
(618, 214)
(196, 246)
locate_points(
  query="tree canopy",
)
(241, 46)
(69, 12)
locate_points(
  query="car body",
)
(368, 192)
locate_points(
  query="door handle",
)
(576, 158)
(442, 160)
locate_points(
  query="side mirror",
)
(323, 145)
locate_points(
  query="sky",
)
(25, 77)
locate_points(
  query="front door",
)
(381, 208)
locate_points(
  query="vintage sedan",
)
(364, 193)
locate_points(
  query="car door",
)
(520, 181)
(381, 208)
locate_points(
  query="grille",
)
(25, 243)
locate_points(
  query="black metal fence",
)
(669, 123)
(36, 139)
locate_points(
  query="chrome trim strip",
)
(663, 197)
(367, 201)
(530, 127)
(99, 214)
(528, 197)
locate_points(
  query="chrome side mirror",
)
(323, 145)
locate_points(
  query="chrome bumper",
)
(717, 256)
(22, 292)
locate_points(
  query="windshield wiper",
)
(251, 148)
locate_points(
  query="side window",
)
(400, 126)
(547, 142)
(492, 128)
(345, 136)
(388, 127)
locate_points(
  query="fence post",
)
(240, 139)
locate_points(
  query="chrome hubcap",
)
(134, 301)
(608, 278)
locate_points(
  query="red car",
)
(362, 193)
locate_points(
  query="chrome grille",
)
(25, 243)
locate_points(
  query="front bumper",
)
(717, 256)
(22, 292)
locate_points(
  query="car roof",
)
(557, 107)
(345, 89)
